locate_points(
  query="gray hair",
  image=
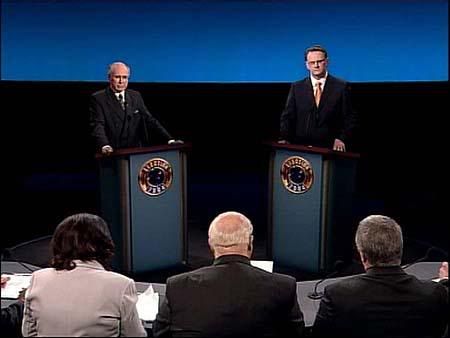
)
(379, 239)
(240, 225)
(112, 65)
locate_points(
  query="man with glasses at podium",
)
(318, 110)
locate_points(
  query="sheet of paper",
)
(265, 265)
(15, 284)
(148, 304)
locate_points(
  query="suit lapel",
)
(115, 104)
(309, 89)
(327, 90)
(129, 102)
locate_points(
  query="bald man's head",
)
(230, 233)
(118, 75)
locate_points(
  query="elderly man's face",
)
(118, 79)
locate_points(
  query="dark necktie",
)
(121, 100)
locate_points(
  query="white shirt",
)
(120, 93)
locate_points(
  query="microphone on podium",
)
(7, 256)
(337, 268)
(430, 251)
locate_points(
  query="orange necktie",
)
(318, 93)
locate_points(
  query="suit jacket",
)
(384, 302)
(302, 122)
(231, 298)
(85, 301)
(119, 128)
(12, 319)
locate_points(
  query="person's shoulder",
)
(133, 92)
(337, 80)
(427, 291)
(115, 276)
(444, 282)
(276, 278)
(112, 280)
(190, 275)
(300, 82)
(99, 93)
(43, 276)
(43, 272)
(351, 284)
(430, 286)
(282, 278)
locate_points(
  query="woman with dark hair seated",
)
(78, 296)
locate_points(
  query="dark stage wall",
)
(51, 171)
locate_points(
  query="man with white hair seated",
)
(231, 298)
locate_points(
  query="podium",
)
(143, 199)
(311, 192)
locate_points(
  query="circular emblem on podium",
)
(297, 174)
(155, 176)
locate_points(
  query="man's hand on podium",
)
(175, 142)
(443, 270)
(283, 142)
(338, 145)
(106, 150)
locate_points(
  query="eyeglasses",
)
(318, 62)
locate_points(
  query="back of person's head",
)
(379, 241)
(316, 48)
(231, 233)
(84, 237)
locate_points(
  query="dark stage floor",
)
(51, 198)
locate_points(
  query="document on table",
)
(148, 304)
(15, 284)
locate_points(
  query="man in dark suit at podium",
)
(385, 301)
(119, 117)
(318, 110)
(231, 298)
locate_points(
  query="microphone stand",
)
(7, 257)
(144, 122)
(318, 295)
(421, 259)
(143, 114)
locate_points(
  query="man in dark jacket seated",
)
(231, 298)
(385, 301)
(12, 315)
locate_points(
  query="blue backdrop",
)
(223, 40)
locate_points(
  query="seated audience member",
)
(385, 301)
(443, 279)
(11, 315)
(78, 296)
(231, 298)
(443, 273)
